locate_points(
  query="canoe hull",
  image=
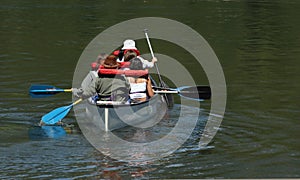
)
(141, 115)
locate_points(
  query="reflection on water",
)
(51, 132)
(57, 153)
(36, 133)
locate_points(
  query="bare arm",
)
(149, 88)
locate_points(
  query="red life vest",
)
(131, 73)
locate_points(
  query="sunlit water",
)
(49, 153)
(257, 43)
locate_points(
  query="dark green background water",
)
(257, 43)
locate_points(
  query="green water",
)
(258, 46)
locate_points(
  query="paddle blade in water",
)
(56, 115)
(195, 92)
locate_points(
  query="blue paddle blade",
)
(41, 87)
(56, 115)
(40, 91)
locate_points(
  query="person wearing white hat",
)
(129, 44)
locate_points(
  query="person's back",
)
(107, 87)
(112, 88)
(140, 88)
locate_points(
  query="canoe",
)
(112, 115)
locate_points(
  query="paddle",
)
(58, 114)
(152, 54)
(156, 67)
(40, 91)
(197, 93)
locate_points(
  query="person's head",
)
(101, 58)
(129, 44)
(130, 54)
(136, 64)
(111, 62)
(99, 61)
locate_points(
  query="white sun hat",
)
(129, 44)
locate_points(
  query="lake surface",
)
(258, 46)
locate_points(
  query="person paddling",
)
(129, 47)
(140, 87)
(107, 87)
(91, 76)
